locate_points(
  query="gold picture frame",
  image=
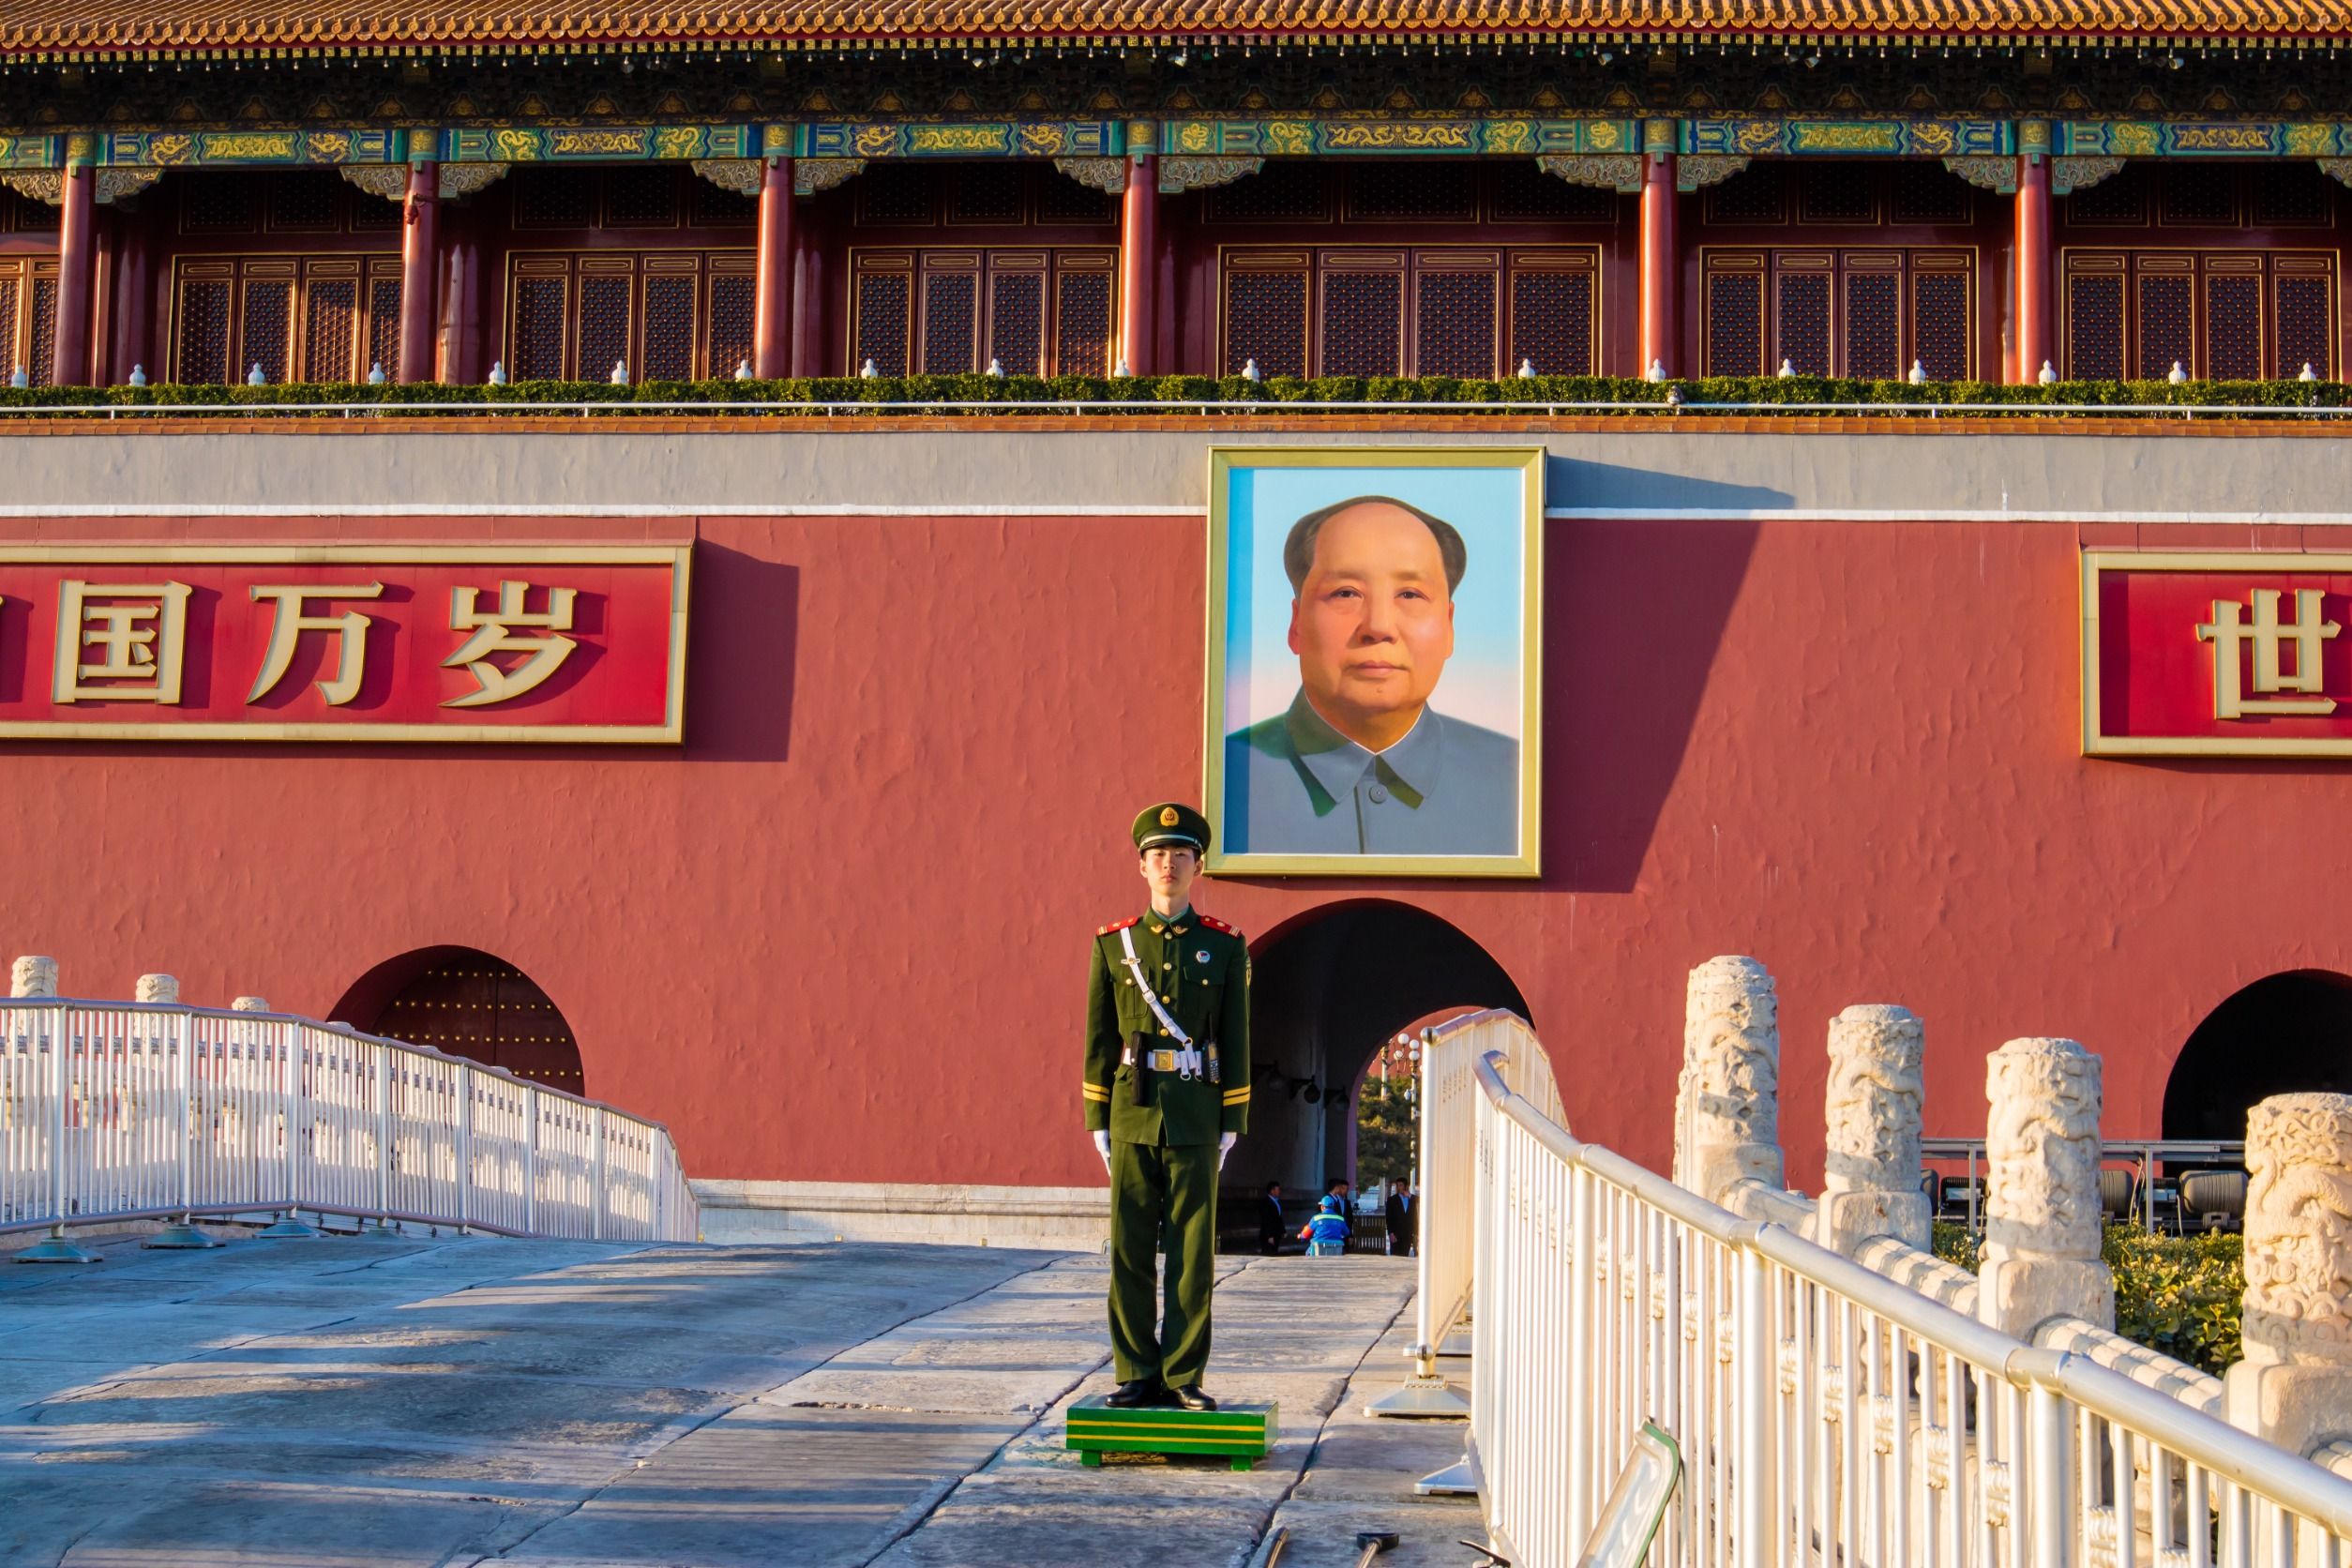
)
(1256, 828)
(2098, 743)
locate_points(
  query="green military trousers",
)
(1150, 1184)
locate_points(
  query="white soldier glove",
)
(1224, 1146)
(1102, 1147)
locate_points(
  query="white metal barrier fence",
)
(123, 1111)
(1445, 1177)
(1827, 1416)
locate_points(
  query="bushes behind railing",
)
(1514, 394)
(2180, 1296)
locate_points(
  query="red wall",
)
(839, 935)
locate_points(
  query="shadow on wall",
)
(1331, 985)
(1633, 612)
(742, 657)
(2287, 1034)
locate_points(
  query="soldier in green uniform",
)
(1167, 1091)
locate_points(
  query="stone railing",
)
(2041, 1278)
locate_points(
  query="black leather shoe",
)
(1190, 1398)
(1142, 1394)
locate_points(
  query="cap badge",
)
(1167, 816)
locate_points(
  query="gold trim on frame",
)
(669, 731)
(1529, 861)
(2095, 744)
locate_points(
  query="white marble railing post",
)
(1871, 1173)
(32, 975)
(2042, 1205)
(2294, 1388)
(1726, 1119)
(249, 1004)
(159, 987)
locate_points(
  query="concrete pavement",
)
(393, 1400)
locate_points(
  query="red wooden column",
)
(772, 298)
(1661, 254)
(1139, 264)
(2035, 338)
(77, 274)
(421, 270)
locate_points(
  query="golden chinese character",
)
(2307, 632)
(493, 634)
(140, 642)
(288, 623)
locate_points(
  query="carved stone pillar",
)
(2041, 1206)
(1871, 1179)
(2294, 1388)
(1726, 1118)
(159, 987)
(32, 975)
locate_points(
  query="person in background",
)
(1270, 1225)
(1326, 1234)
(1404, 1214)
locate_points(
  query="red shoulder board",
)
(1120, 925)
(1215, 924)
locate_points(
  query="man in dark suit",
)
(1270, 1226)
(1404, 1214)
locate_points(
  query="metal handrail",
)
(589, 407)
(118, 1110)
(1827, 1414)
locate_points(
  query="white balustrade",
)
(126, 1111)
(1827, 1416)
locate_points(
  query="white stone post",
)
(249, 1004)
(2042, 1214)
(1870, 1179)
(1726, 1117)
(32, 975)
(159, 987)
(2294, 1388)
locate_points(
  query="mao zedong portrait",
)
(1361, 762)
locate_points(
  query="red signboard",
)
(2216, 654)
(444, 642)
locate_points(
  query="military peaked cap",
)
(1171, 823)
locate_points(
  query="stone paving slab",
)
(387, 1400)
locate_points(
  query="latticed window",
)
(1347, 310)
(664, 315)
(28, 315)
(2223, 315)
(950, 311)
(1868, 313)
(299, 318)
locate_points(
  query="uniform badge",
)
(1201, 956)
(1167, 816)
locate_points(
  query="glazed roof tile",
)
(113, 27)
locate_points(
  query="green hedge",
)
(1795, 392)
(2179, 1295)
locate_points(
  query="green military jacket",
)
(1200, 968)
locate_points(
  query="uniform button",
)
(1164, 964)
(1379, 794)
(1163, 1033)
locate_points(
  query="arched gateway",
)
(467, 1003)
(1330, 986)
(2284, 1034)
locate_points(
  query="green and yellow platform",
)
(1240, 1430)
